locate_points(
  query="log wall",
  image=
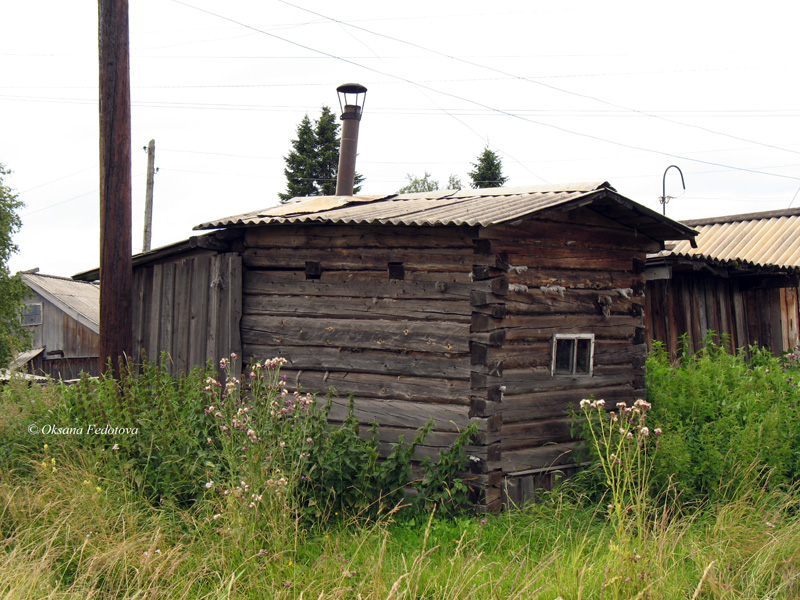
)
(379, 313)
(575, 273)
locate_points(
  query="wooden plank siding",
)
(189, 308)
(70, 347)
(692, 305)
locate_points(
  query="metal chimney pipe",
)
(351, 117)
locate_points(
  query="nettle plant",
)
(621, 443)
(279, 454)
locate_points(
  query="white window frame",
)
(574, 359)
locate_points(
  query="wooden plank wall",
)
(696, 304)
(790, 311)
(379, 313)
(190, 308)
(570, 273)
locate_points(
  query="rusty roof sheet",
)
(482, 207)
(766, 239)
(79, 299)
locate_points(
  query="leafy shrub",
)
(728, 420)
(277, 450)
(24, 409)
(146, 426)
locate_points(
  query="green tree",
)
(313, 163)
(327, 149)
(426, 184)
(488, 171)
(419, 184)
(300, 164)
(13, 337)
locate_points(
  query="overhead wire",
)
(534, 81)
(481, 104)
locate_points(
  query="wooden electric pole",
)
(148, 197)
(116, 267)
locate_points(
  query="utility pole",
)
(116, 265)
(148, 198)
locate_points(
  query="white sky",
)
(563, 91)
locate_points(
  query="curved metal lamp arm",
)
(664, 186)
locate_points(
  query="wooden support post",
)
(148, 199)
(116, 268)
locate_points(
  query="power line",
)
(535, 82)
(486, 106)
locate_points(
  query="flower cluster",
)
(620, 442)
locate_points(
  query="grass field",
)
(83, 519)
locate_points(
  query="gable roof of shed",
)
(482, 207)
(764, 239)
(79, 299)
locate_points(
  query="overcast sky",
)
(563, 91)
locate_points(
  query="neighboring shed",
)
(63, 316)
(501, 307)
(187, 300)
(741, 281)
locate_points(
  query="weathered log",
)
(559, 403)
(359, 236)
(382, 386)
(540, 328)
(259, 282)
(361, 307)
(419, 364)
(399, 335)
(551, 455)
(522, 434)
(360, 259)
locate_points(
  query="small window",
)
(573, 354)
(397, 271)
(32, 314)
(313, 270)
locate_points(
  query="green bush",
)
(277, 449)
(147, 426)
(729, 420)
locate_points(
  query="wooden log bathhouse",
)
(501, 307)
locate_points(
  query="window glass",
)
(564, 353)
(32, 314)
(583, 356)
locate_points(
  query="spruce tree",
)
(301, 165)
(488, 171)
(313, 163)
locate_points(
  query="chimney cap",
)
(351, 88)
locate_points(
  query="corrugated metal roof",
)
(79, 299)
(482, 207)
(758, 239)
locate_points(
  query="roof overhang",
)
(482, 208)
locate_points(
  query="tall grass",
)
(80, 519)
(64, 539)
